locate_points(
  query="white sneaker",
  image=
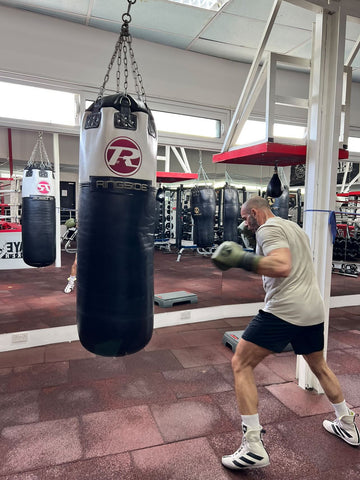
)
(70, 286)
(344, 428)
(251, 453)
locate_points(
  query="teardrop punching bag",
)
(231, 213)
(203, 201)
(38, 210)
(274, 189)
(115, 292)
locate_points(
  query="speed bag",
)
(231, 213)
(280, 207)
(38, 216)
(202, 202)
(115, 271)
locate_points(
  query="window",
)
(254, 132)
(354, 144)
(187, 125)
(24, 102)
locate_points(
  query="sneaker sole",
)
(247, 467)
(336, 434)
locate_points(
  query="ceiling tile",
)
(235, 30)
(284, 39)
(352, 30)
(157, 15)
(223, 50)
(259, 9)
(79, 6)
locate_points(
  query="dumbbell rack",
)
(346, 251)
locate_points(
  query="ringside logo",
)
(43, 187)
(123, 156)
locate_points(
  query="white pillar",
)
(322, 155)
(56, 153)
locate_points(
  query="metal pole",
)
(322, 155)
(57, 197)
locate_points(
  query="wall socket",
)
(20, 337)
(186, 314)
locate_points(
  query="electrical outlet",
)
(185, 315)
(20, 337)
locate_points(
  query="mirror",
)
(26, 292)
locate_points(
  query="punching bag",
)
(203, 201)
(274, 189)
(38, 210)
(231, 213)
(280, 207)
(117, 175)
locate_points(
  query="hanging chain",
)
(39, 154)
(123, 50)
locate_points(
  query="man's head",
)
(255, 212)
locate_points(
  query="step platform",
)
(174, 298)
(231, 339)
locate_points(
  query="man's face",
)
(250, 219)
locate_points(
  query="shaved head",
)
(255, 202)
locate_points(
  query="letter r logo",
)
(123, 156)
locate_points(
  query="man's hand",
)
(231, 254)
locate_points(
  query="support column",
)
(322, 155)
(56, 152)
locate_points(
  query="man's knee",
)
(247, 355)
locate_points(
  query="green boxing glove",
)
(231, 254)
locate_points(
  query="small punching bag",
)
(231, 213)
(202, 202)
(38, 209)
(274, 189)
(117, 177)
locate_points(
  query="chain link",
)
(123, 49)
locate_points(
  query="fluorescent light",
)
(206, 4)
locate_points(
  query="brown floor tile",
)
(189, 418)
(301, 402)
(26, 447)
(197, 356)
(172, 461)
(117, 431)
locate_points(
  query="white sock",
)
(251, 421)
(72, 278)
(340, 409)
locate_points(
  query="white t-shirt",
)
(296, 298)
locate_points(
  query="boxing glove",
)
(231, 254)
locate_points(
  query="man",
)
(293, 313)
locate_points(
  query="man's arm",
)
(276, 264)
(230, 254)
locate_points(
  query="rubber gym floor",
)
(167, 412)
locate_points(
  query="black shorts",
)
(269, 331)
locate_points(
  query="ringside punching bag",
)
(202, 203)
(115, 292)
(231, 213)
(38, 210)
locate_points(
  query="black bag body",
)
(231, 213)
(38, 218)
(203, 202)
(115, 271)
(280, 207)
